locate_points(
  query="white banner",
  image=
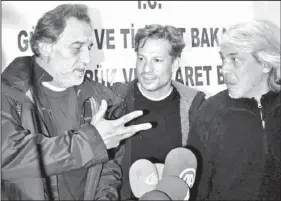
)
(116, 22)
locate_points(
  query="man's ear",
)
(266, 68)
(45, 49)
(175, 64)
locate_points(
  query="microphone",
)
(159, 168)
(143, 177)
(155, 195)
(181, 162)
(169, 188)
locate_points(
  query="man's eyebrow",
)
(77, 42)
(233, 54)
(81, 43)
(230, 54)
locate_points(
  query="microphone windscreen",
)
(155, 195)
(174, 187)
(181, 162)
(143, 177)
(159, 168)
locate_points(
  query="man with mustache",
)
(237, 131)
(57, 141)
(167, 104)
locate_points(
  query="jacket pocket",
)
(26, 189)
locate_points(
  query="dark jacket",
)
(238, 143)
(190, 101)
(25, 135)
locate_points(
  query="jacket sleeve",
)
(111, 177)
(199, 143)
(81, 148)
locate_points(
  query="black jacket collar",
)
(24, 72)
(269, 99)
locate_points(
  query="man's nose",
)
(85, 56)
(226, 68)
(148, 67)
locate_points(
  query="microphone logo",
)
(151, 179)
(188, 175)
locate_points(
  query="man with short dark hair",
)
(57, 141)
(167, 104)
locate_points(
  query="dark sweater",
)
(189, 102)
(238, 158)
(62, 107)
(154, 144)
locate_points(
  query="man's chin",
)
(79, 81)
(149, 88)
(75, 82)
(235, 95)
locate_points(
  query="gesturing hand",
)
(114, 131)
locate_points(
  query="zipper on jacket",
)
(263, 126)
(53, 121)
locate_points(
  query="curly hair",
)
(156, 31)
(261, 38)
(50, 26)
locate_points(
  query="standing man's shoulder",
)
(187, 92)
(192, 96)
(23, 60)
(19, 67)
(214, 105)
(206, 119)
(218, 99)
